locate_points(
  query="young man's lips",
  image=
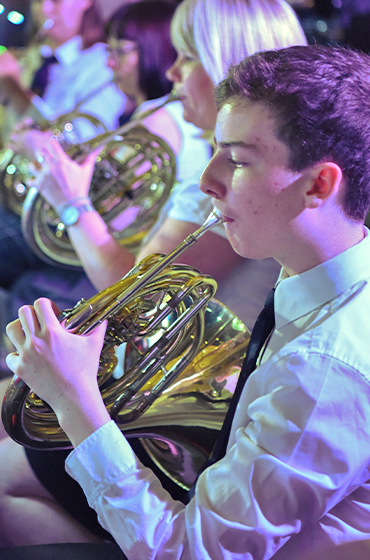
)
(227, 219)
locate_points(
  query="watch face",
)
(70, 215)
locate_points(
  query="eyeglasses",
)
(121, 51)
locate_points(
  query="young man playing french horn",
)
(291, 177)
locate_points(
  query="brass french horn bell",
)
(183, 354)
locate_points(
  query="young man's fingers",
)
(28, 320)
(12, 361)
(46, 312)
(15, 333)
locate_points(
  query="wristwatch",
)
(71, 212)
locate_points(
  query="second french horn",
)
(133, 177)
(184, 351)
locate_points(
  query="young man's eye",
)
(236, 163)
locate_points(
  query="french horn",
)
(133, 177)
(183, 354)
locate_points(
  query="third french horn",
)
(183, 354)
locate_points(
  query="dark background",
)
(15, 35)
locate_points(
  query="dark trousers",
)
(73, 551)
(24, 277)
(15, 255)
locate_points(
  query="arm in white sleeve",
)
(286, 468)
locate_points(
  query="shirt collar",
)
(298, 295)
(68, 53)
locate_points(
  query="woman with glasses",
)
(140, 50)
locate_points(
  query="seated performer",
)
(74, 72)
(291, 177)
(236, 28)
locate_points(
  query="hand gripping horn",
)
(133, 178)
(14, 167)
(183, 354)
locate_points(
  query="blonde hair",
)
(223, 32)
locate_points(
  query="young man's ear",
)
(325, 182)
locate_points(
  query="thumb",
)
(89, 163)
(91, 158)
(98, 334)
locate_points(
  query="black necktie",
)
(41, 77)
(261, 330)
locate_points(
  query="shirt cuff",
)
(94, 463)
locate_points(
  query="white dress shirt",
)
(81, 75)
(295, 476)
(192, 151)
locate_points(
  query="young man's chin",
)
(234, 242)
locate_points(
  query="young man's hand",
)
(60, 367)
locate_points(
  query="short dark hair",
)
(320, 97)
(148, 23)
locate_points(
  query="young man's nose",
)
(211, 182)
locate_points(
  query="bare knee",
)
(14, 466)
(29, 515)
(16, 480)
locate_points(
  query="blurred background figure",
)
(66, 40)
(73, 72)
(140, 51)
(74, 76)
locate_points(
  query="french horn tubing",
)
(14, 167)
(133, 177)
(183, 354)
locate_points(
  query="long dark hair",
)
(92, 26)
(147, 23)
